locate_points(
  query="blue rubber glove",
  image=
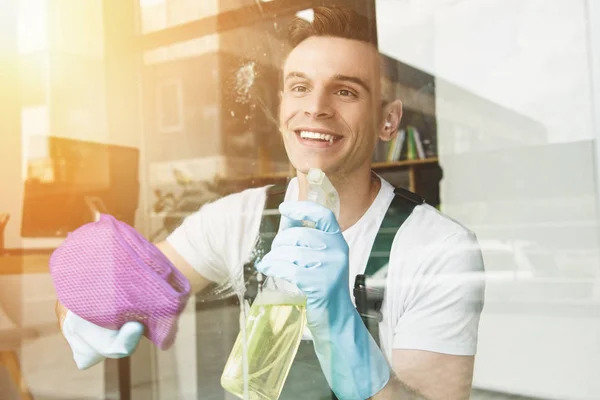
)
(91, 343)
(316, 261)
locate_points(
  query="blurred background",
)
(147, 109)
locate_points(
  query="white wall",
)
(517, 147)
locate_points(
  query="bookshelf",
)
(377, 166)
(388, 165)
(413, 168)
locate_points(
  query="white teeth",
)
(315, 135)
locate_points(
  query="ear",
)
(392, 115)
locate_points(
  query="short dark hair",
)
(335, 21)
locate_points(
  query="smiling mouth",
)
(318, 137)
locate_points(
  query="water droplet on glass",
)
(244, 79)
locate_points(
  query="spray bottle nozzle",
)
(316, 176)
(322, 191)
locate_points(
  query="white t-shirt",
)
(434, 283)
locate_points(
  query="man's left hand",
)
(316, 260)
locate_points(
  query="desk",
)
(13, 265)
(17, 262)
(19, 269)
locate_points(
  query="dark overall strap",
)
(398, 211)
(302, 377)
(401, 207)
(370, 299)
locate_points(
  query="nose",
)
(318, 106)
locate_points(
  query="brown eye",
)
(345, 93)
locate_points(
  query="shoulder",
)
(427, 220)
(234, 207)
(238, 199)
(432, 237)
(233, 213)
(425, 223)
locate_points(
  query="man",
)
(332, 113)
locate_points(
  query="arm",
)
(213, 239)
(435, 339)
(433, 375)
(197, 281)
(204, 248)
(91, 344)
(193, 236)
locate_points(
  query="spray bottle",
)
(275, 323)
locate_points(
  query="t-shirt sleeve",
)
(197, 239)
(445, 299)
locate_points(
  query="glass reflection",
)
(498, 101)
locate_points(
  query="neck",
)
(356, 193)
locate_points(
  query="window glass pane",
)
(218, 95)
(32, 25)
(161, 14)
(520, 170)
(487, 110)
(191, 48)
(34, 70)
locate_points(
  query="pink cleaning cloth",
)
(108, 274)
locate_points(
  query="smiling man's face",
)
(331, 105)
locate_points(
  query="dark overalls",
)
(305, 375)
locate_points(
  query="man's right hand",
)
(91, 344)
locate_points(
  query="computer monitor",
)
(75, 174)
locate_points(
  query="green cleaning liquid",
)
(269, 338)
(274, 329)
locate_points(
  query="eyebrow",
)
(353, 79)
(296, 75)
(337, 77)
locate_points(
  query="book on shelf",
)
(418, 144)
(395, 146)
(406, 145)
(410, 144)
(415, 145)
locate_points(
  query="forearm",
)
(349, 352)
(197, 281)
(397, 390)
(102, 326)
(394, 389)
(349, 357)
